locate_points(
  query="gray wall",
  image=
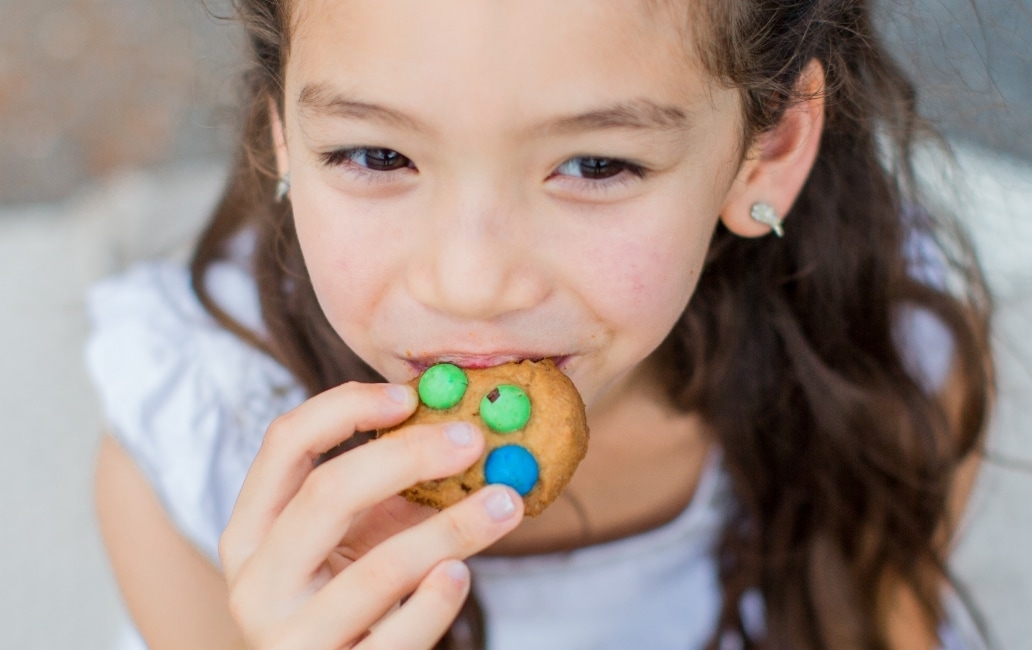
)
(972, 61)
(90, 87)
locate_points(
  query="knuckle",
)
(351, 386)
(321, 488)
(415, 447)
(278, 435)
(240, 603)
(406, 451)
(462, 531)
(380, 576)
(237, 603)
(225, 550)
(389, 577)
(246, 610)
(350, 390)
(233, 557)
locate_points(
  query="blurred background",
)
(116, 119)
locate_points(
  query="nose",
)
(477, 260)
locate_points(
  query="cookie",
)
(533, 421)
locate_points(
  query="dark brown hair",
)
(841, 461)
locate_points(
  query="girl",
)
(782, 427)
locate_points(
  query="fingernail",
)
(499, 506)
(459, 433)
(457, 571)
(398, 393)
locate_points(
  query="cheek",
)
(644, 282)
(346, 259)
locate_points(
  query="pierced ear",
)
(279, 140)
(780, 160)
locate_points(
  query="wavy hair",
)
(841, 461)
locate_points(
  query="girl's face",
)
(478, 182)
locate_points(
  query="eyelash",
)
(345, 158)
(627, 172)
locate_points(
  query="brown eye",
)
(384, 160)
(594, 168)
(375, 159)
(600, 167)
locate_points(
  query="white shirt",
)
(190, 403)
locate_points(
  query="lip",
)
(478, 361)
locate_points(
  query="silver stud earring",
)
(282, 187)
(765, 214)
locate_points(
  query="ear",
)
(279, 139)
(779, 161)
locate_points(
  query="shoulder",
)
(186, 399)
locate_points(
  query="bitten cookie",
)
(533, 422)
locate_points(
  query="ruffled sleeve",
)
(187, 399)
(926, 345)
(923, 340)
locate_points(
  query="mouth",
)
(478, 361)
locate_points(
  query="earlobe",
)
(779, 161)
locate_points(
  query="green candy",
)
(442, 386)
(505, 409)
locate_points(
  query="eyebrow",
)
(320, 100)
(638, 114)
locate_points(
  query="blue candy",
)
(512, 465)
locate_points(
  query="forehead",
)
(516, 57)
(670, 18)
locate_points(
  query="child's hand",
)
(320, 558)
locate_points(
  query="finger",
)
(393, 569)
(386, 519)
(319, 517)
(427, 615)
(288, 453)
